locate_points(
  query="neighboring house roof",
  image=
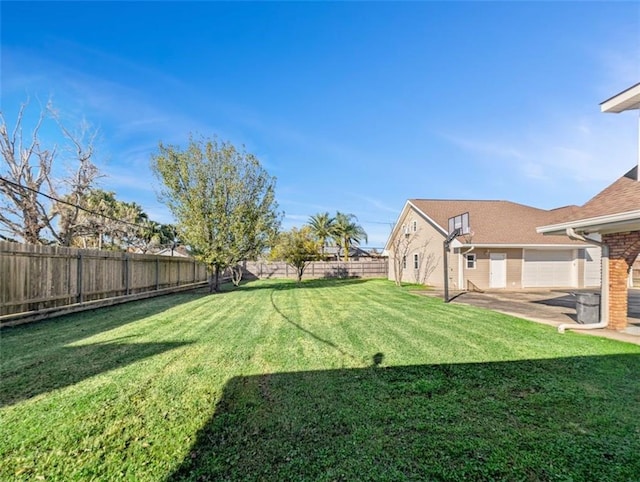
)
(178, 251)
(495, 222)
(617, 205)
(354, 251)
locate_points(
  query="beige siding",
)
(480, 275)
(426, 242)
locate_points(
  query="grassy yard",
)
(334, 380)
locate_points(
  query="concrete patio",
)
(551, 307)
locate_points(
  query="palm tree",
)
(348, 232)
(322, 226)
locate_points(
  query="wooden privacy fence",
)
(374, 268)
(39, 280)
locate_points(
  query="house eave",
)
(610, 223)
(421, 213)
(525, 245)
(628, 99)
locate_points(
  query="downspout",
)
(604, 287)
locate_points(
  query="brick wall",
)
(623, 250)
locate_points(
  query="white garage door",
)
(546, 268)
(592, 264)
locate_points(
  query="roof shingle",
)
(620, 197)
(498, 222)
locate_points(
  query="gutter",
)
(604, 287)
(592, 224)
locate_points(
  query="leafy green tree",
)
(298, 248)
(347, 232)
(106, 222)
(322, 226)
(223, 201)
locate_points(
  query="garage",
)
(548, 268)
(592, 266)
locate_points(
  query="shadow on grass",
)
(66, 329)
(35, 358)
(70, 365)
(572, 418)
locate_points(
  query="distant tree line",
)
(222, 199)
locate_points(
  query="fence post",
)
(178, 280)
(79, 277)
(157, 273)
(127, 267)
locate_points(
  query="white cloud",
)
(597, 149)
(377, 204)
(490, 147)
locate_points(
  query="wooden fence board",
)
(36, 278)
(374, 268)
(46, 278)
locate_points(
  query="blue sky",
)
(352, 106)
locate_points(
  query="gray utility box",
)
(588, 307)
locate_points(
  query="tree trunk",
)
(236, 274)
(216, 286)
(214, 280)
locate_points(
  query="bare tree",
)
(27, 186)
(428, 264)
(405, 244)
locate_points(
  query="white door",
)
(592, 266)
(497, 270)
(549, 268)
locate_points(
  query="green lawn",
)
(333, 380)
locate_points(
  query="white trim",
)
(626, 100)
(420, 213)
(525, 246)
(595, 224)
(466, 260)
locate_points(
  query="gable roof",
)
(618, 203)
(496, 222)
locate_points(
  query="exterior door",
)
(497, 270)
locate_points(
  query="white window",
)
(404, 262)
(416, 263)
(471, 261)
(415, 226)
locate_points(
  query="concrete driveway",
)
(551, 307)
